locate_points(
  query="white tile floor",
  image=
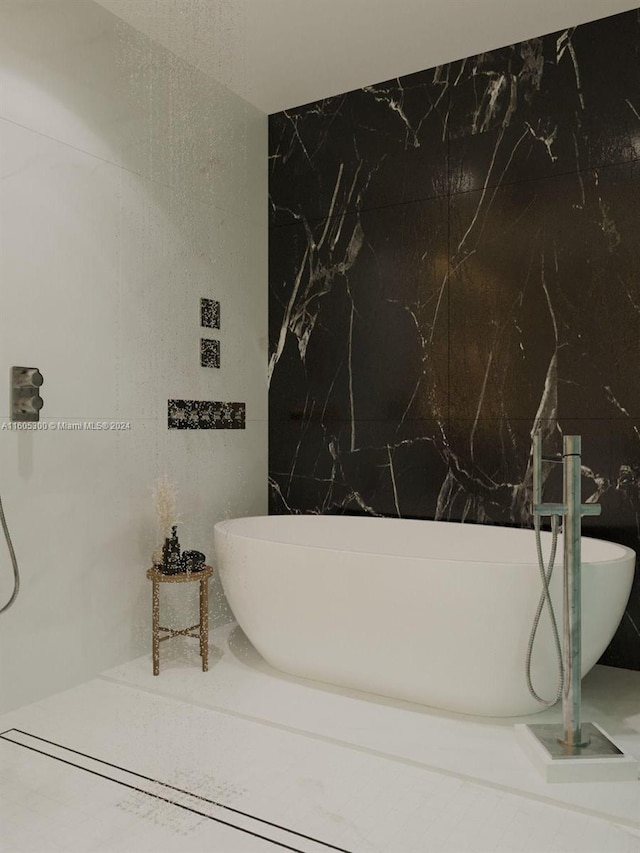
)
(331, 768)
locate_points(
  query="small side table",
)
(201, 629)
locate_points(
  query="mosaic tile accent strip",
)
(209, 353)
(209, 314)
(205, 414)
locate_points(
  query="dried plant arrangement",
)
(165, 496)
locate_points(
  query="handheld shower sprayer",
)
(546, 572)
(26, 402)
(14, 561)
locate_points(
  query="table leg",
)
(204, 623)
(155, 607)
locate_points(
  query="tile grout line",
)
(137, 174)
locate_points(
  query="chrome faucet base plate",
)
(599, 761)
(597, 744)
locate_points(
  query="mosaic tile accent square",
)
(205, 414)
(209, 353)
(209, 314)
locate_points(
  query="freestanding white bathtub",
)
(431, 612)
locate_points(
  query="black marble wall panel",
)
(454, 263)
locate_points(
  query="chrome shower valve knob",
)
(26, 401)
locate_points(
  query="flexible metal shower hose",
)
(545, 576)
(14, 561)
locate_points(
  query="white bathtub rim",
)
(223, 527)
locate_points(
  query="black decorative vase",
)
(171, 554)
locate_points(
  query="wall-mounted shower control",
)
(26, 401)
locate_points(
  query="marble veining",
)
(454, 264)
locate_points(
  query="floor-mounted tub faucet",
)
(571, 510)
(572, 751)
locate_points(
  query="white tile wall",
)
(132, 186)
